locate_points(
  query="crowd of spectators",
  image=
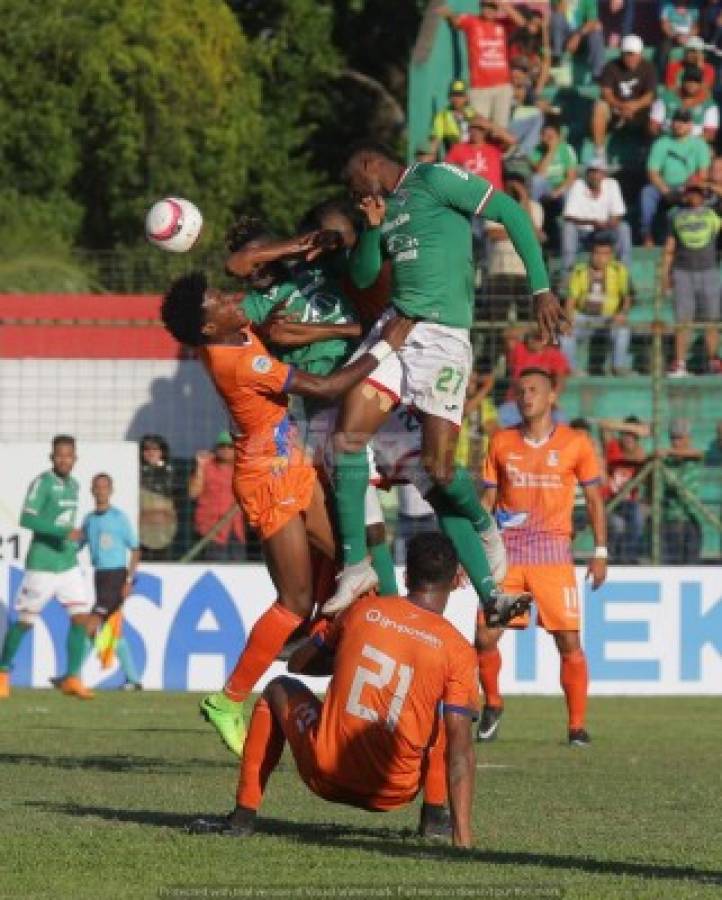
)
(630, 161)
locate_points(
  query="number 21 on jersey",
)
(388, 669)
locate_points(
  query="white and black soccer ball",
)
(173, 224)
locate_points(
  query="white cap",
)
(632, 43)
(598, 162)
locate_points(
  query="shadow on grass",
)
(149, 765)
(401, 843)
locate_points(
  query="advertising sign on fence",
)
(646, 631)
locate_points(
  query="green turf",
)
(94, 798)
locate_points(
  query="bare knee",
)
(439, 469)
(487, 638)
(349, 442)
(567, 642)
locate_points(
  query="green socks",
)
(122, 651)
(78, 646)
(468, 548)
(13, 639)
(351, 482)
(461, 494)
(383, 564)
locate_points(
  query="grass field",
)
(94, 799)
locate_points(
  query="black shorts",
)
(109, 585)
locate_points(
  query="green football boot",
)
(226, 716)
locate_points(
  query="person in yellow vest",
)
(451, 125)
(599, 296)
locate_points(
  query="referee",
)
(109, 536)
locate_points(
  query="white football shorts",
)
(38, 588)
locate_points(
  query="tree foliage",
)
(244, 105)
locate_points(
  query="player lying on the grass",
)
(531, 473)
(313, 293)
(51, 569)
(399, 670)
(274, 484)
(420, 218)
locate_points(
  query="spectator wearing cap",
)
(690, 255)
(624, 457)
(575, 23)
(506, 287)
(679, 22)
(599, 297)
(594, 207)
(691, 95)
(451, 125)
(628, 85)
(673, 159)
(482, 154)
(693, 55)
(681, 531)
(488, 55)
(527, 119)
(554, 164)
(211, 486)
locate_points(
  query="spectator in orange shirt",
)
(211, 486)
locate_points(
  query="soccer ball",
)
(173, 224)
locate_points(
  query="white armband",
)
(380, 350)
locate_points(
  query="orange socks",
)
(267, 637)
(261, 753)
(575, 684)
(489, 668)
(434, 778)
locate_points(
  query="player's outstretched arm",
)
(460, 771)
(550, 316)
(331, 387)
(597, 570)
(243, 262)
(366, 259)
(281, 332)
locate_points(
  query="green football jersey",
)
(314, 297)
(49, 511)
(427, 235)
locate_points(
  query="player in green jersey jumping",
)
(51, 568)
(420, 219)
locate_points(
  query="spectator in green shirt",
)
(574, 22)
(451, 125)
(554, 164)
(672, 160)
(681, 531)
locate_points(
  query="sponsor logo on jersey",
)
(553, 458)
(400, 220)
(508, 519)
(376, 617)
(261, 364)
(519, 479)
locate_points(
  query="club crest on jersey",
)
(261, 364)
(553, 458)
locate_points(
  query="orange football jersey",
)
(395, 665)
(535, 490)
(252, 383)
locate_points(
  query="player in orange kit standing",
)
(399, 670)
(530, 476)
(273, 481)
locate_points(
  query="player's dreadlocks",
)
(182, 310)
(430, 561)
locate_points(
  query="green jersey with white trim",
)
(427, 235)
(314, 297)
(49, 511)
